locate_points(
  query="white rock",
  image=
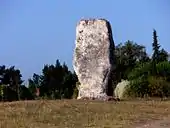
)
(121, 89)
(93, 57)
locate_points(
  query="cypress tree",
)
(155, 48)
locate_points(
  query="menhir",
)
(94, 59)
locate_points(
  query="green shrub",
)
(158, 87)
(143, 83)
(140, 70)
(163, 69)
(153, 86)
(138, 78)
(138, 87)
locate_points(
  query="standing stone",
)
(94, 58)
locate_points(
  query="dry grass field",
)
(81, 114)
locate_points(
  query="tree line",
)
(148, 76)
(55, 82)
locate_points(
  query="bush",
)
(25, 93)
(138, 78)
(159, 87)
(163, 69)
(140, 70)
(138, 87)
(142, 83)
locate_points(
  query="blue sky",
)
(37, 32)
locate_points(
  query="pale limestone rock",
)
(93, 59)
(121, 88)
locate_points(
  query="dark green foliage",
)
(11, 79)
(163, 69)
(158, 55)
(155, 46)
(32, 87)
(151, 78)
(138, 80)
(155, 56)
(56, 82)
(25, 93)
(140, 70)
(34, 83)
(127, 56)
(163, 55)
(9, 94)
(158, 87)
(143, 83)
(138, 87)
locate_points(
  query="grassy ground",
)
(80, 114)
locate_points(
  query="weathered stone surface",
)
(121, 89)
(94, 58)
